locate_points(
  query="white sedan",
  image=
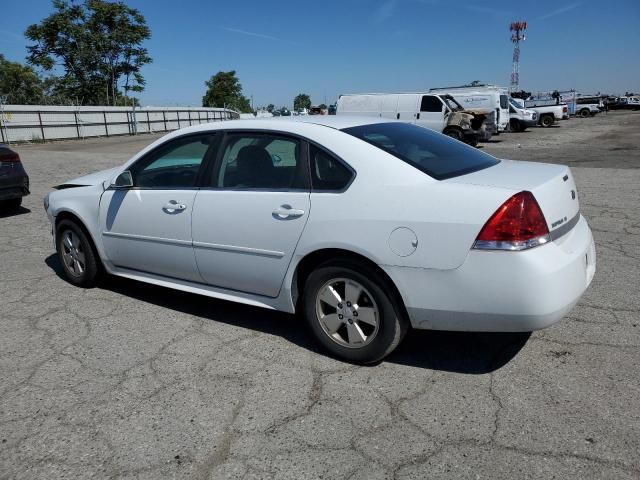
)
(366, 226)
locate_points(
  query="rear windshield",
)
(432, 153)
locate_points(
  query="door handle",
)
(174, 207)
(285, 211)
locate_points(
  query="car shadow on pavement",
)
(14, 213)
(461, 352)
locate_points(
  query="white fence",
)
(38, 122)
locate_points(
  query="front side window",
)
(430, 103)
(504, 101)
(173, 165)
(261, 161)
(327, 172)
(432, 153)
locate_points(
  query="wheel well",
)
(453, 128)
(313, 260)
(75, 219)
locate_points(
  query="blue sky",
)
(324, 48)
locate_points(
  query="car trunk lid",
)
(553, 187)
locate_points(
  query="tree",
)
(98, 46)
(322, 106)
(224, 90)
(271, 107)
(20, 83)
(301, 101)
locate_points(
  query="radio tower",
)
(517, 34)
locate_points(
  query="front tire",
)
(515, 125)
(585, 113)
(349, 311)
(455, 133)
(76, 254)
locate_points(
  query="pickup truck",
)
(588, 106)
(521, 118)
(547, 114)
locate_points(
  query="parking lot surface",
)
(135, 381)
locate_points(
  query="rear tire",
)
(547, 120)
(333, 292)
(11, 205)
(77, 254)
(585, 112)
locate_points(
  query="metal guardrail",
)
(20, 123)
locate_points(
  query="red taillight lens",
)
(564, 109)
(517, 225)
(9, 157)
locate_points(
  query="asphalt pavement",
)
(134, 381)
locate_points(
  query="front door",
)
(148, 227)
(247, 224)
(432, 113)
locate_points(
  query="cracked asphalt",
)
(133, 381)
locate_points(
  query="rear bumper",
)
(14, 186)
(495, 291)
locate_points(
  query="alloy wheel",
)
(347, 312)
(73, 253)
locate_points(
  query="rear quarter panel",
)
(386, 194)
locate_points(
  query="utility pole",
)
(517, 30)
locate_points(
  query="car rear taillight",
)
(9, 157)
(564, 109)
(517, 225)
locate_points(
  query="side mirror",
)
(124, 180)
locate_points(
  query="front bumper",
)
(529, 123)
(498, 291)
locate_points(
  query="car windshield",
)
(514, 103)
(452, 104)
(435, 154)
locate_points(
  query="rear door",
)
(248, 219)
(365, 105)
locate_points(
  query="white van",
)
(482, 98)
(437, 112)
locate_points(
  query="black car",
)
(14, 181)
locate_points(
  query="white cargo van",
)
(437, 112)
(482, 98)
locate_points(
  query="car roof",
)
(337, 122)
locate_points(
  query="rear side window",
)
(261, 161)
(430, 103)
(435, 154)
(327, 172)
